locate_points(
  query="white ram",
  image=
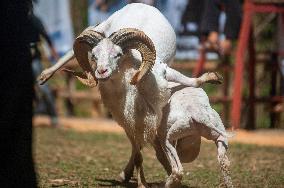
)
(128, 55)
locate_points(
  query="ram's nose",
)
(102, 71)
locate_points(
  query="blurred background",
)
(258, 104)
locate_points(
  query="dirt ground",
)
(262, 137)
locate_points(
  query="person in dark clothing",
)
(192, 14)
(209, 25)
(205, 14)
(45, 98)
(16, 86)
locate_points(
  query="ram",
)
(128, 56)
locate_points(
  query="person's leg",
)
(46, 94)
(233, 18)
(210, 19)
(49, 101)
(232, 26)
(192, 13)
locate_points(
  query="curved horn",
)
(82, 45)
(131, 38)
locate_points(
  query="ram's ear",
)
(85, 78)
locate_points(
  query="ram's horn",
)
(83, 44)
(131, 38)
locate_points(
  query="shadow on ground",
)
(130, 184)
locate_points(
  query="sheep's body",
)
(184, 118)
(149, 20)
(151, 111)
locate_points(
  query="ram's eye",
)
(118, 55)
(94, 57)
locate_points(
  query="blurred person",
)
(16, 86)
(191, 16)
(205, 18)
(45, 101)
(100, 10)
(173, 12)
(209, 25)
(148, 2)
(162, 5)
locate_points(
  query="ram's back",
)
(148, 19)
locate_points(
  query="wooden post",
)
(274, 67)
(79, 15)
(251, 66)
(225, 63)
(239, 65)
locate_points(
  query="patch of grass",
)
(96, 159)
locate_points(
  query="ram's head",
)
(98, 56)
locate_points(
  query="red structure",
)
(246, 41)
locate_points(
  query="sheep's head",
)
(104, 58)
(99, 56)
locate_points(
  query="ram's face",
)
(104, 58)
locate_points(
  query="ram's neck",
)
(138, 109)
(117, 93)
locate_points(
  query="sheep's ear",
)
(85, 78)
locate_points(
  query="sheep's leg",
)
(127, 173)
(141, 181)
(161, 156)
(175, 76)
(223, 160)
(174, 180)
(47, 73)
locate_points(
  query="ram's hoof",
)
(43, 77)
(173, 181)
(213, 78)
(124, 178)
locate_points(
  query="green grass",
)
(96, 159)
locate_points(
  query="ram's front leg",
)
(175, 76)
(135, 160)
(127, 173)
(47, 73)
(141, 181)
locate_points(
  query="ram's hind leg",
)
(174, 180)
(222, 145)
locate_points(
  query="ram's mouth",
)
(103, 76)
